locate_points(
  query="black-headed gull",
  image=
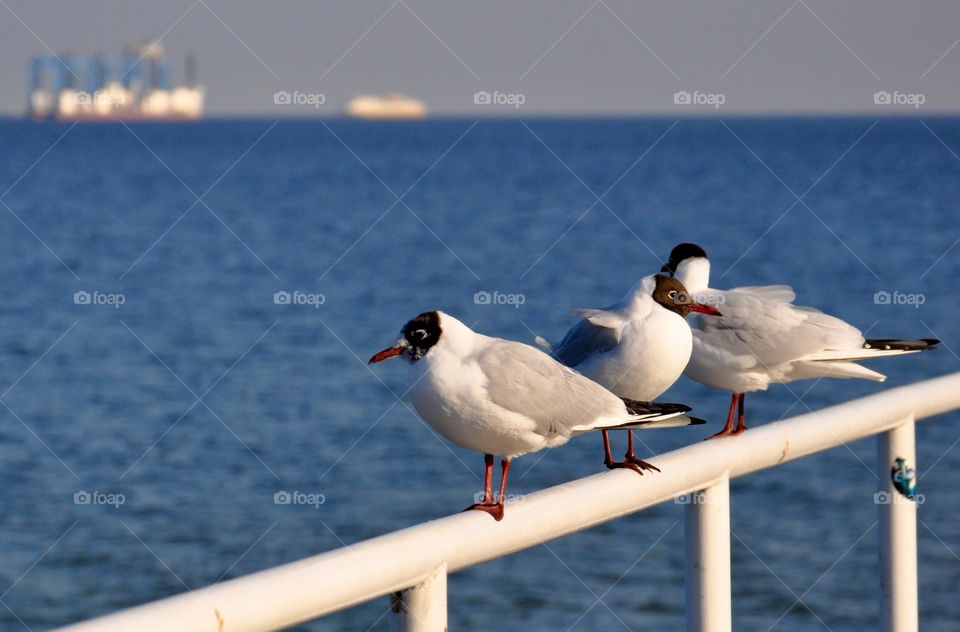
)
(505, 398)
(636, 348)
(765, 339)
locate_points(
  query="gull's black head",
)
(421, 333)
(672, 295)
(417, 337)
(681, 252)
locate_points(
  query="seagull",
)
(765, 339)
(637, 348)
(505, 398)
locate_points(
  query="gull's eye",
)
(420, 334)
(672, 294)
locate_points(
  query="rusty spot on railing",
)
(783, 453)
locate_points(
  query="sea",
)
(187, 311)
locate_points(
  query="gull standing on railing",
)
(636, 348)
(505, 398)
(765, 339)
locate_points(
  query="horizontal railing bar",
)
(313, 587)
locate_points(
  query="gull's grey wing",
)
(584, 340)
(560, 401)
(756, 331)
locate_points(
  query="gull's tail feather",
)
(874, 348)
(644, 415)
(651, 415)
(639, 408)
(657, 423)
(676, 421)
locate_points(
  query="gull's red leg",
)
(728, 428)
(630, 457)
(742, 421)
(633, 463)
(489, 505)
(504, 474)
(607, 456)
(488, 479)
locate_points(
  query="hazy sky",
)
(607, 56)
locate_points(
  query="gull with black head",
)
(503, 398)
(636, 348)
(765, 339)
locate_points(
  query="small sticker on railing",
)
(904, 478)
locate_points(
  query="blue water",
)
(103, 397)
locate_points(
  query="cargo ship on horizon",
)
(133, 87)
(390, 107)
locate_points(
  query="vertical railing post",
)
(898, 529)
(422, 608)
(707, 536)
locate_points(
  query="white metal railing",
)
(411, 565)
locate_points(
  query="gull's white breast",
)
(651, 355)
(450, 393)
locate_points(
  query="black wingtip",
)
(635, 407)
(696, 421)
(893, 344)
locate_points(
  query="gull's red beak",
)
(705, 309)
(388, 353)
